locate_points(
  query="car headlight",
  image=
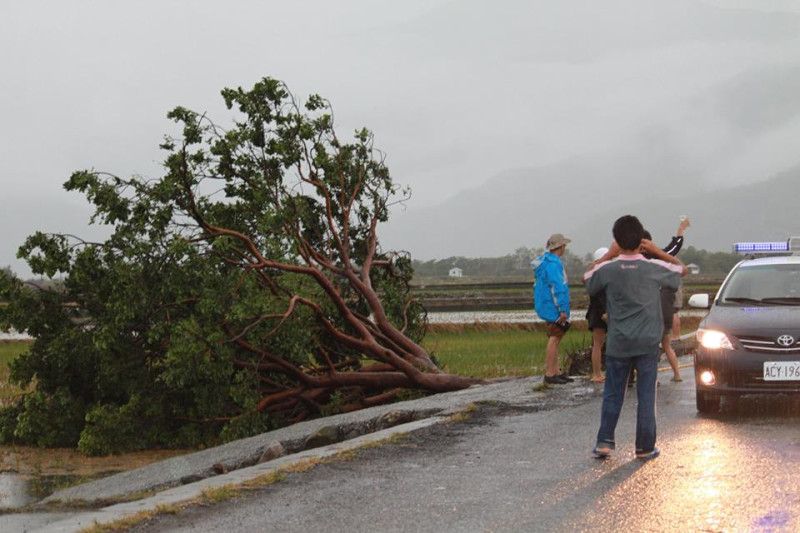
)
(709, 338)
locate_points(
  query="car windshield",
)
(773, 284)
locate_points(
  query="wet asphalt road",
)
(515, 470)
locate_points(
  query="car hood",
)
(754, 320)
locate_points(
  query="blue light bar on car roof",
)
(760, 247)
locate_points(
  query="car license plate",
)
(781, 370)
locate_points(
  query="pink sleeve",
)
(588, 274)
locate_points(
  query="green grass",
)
(491, 354)
(8, 352)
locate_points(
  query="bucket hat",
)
(557, 240)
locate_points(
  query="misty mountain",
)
(513, 209)
(522, 208)
(764, 211)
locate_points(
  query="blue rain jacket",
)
(551, 291)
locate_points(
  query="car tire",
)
(707, 402)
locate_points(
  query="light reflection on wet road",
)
(739, 471)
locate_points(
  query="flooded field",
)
(519, 317)
(29, 474)
(13, 336)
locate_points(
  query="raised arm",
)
(685, 223)
(650, 248)
(676, 243)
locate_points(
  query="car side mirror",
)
(699, 300)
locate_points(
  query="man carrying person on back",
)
(668, 298)
(633, 302)
(551, 301)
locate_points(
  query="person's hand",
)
(649, 247)
(685, 223)
(562, 319)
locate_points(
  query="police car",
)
(749, 343)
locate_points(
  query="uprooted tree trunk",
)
(328, 235)
(334, 235)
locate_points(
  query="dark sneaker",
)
(565, 377)
(554, 380)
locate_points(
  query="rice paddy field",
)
(9, 350)
(492, 349)
(496, 350)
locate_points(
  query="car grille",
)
(757, 344)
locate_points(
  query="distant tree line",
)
(710, 262)
(518, 264)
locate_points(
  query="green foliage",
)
(108, 431)
(173, 332)
(8, 423)
(111, 429)
(50, 420)
(245, 426)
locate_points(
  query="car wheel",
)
(707, 402)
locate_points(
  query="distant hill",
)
(521, 208)
(766, 210)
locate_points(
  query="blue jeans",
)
(617, 371)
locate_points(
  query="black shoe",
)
(554, 380)
(565, 377)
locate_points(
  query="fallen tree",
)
(243, 290)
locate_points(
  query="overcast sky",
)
(455, 91)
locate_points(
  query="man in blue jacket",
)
(551, 301)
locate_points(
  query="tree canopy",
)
(243, 290)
